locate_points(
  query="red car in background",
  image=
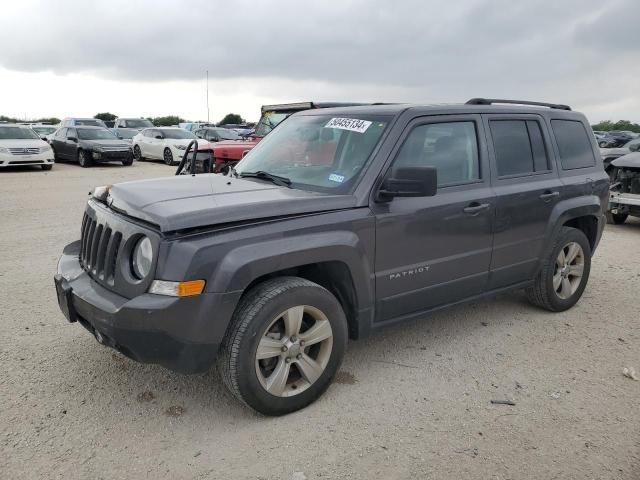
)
(229, 152)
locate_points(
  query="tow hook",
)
(99, 338)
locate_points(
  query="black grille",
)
(99, 248)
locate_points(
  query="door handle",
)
(475, 208)
(548, 195)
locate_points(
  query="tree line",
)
(608, 125)
(166, 121)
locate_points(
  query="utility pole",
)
(207, 96)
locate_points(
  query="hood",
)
(631, 160)
(105, 143)
(177, 203)
(607, 152)
(236, 144)
(182, 141)
(233, 149)
(23, 143)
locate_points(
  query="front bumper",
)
(10, 160)
(111, 156)
(182, 334)
(177, 153)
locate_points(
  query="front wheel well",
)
(334, 276)
(588, 224)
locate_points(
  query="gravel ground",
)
(411, 402)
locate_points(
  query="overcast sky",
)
(148, 58)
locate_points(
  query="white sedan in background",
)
(19, 145)
(162, 143)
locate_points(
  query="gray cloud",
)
(572, 51)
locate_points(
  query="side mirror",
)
(158, 137)
(212, 139)
(409, 182)
(72, 139)
(43, 137)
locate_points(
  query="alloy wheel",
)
(168, 156)
(569, 269)
(294, 351)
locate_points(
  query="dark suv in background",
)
(342, 221)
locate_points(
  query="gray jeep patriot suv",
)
(340, 222)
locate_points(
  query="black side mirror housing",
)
(158, 137)
(409, 182)
(72, 139)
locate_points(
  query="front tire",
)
(83, 159)
(616, 218)
(564, 273)
(137, 153)
(167, 156)
(284, 345)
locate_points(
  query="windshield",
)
(95, 134)
(90, 123)
(177, 133)
(17, 133)
(269, 121)
(317, 152)
(44, 130)
(138, 123)
(123, 133)
(225, 134)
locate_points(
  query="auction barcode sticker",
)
(351, 124)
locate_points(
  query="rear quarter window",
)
(574, 144)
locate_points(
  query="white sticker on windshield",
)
(334, 177)
(351, 124)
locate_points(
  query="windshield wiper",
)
(262, 175)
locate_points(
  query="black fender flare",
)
(243, 265)
(565, 210)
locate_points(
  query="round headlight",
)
(142, 258)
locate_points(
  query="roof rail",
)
(491, 101)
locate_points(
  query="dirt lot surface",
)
(411, 402)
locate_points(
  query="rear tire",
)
(83, 159)
(616, 218)
(563, 276)
(46, 167)
(286, 328)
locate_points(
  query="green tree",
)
(232, 118)
(608, 125)
(167, 121)
(603, 126)
(49, 120)
(105, 116)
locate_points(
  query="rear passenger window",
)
(573, 144)
(519, 147)
(450, 147)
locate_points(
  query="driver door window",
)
(450, 147)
